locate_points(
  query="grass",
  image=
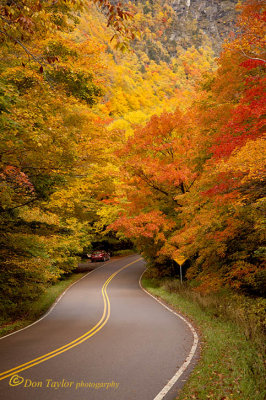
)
(231, 364)
(39, 307)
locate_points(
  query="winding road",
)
(105, 339)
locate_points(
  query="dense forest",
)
(120, 122)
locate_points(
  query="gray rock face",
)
(198, 20)
(188, 23)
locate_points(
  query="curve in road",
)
(139, 347)
(100, 324)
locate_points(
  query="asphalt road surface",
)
(105, 339)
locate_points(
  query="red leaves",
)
(252, 63)
(17, 178)
(247, 122)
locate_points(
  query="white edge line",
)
(54, 304)
(190, 356)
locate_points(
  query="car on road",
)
(100, 255)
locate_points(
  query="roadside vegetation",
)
(38, 307)
(231, 328)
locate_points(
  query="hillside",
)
(198, 19)
(169, 27)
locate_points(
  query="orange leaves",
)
(160, 162)
(251, 42)
(146, 225)
(209, 283)
(159, 152)
(229, 231)
(193, 180)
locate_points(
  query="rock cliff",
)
(186, 23)
(195, 19)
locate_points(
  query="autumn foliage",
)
(203, 170)
(168, 152)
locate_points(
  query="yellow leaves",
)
(21, 77)
(37, 215)
(250, 160)
(107, 214)
(128, 122)
(121, 125)
(35, 18)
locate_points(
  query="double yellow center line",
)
(79, 340)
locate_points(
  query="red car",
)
(100, 255)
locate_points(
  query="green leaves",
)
(77, 84)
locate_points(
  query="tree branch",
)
(155, 187)
(23, 46)
(20, 205)
(30, 54)
(252, 58)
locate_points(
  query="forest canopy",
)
(106, 134)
